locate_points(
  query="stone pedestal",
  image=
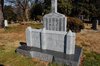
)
(51, 56)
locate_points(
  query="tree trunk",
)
(26, 15)
(1, 13)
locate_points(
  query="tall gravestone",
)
(52, 43)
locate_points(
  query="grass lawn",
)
(11, 36)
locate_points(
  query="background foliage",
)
(26, 10)
(68, 7)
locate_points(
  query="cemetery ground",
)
(10, 37)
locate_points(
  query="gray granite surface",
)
(51, 56)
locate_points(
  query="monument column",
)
(54, 6)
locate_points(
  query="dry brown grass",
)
(9, 39)
(89, 40)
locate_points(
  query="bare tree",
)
(22, 8)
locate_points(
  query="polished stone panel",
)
(29, 36)
(54, 40)
(33, 37)
(52, 56)
(55, 22)
(41, 56)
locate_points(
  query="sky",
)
(8, 3)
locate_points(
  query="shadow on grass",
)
(23, 43)
(1, 65)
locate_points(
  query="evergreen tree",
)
(65, 6)
(84, 7)
(37, 10)
(9, 13)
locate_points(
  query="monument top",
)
(54, 21)
(54, 6)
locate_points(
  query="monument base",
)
(51, 56)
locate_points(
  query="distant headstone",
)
(94, 23)
(5, 23)
(81, 17)
(97, 23)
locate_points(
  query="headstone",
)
(53, 43)
(5, 23)
(94, 23)
(97, 23)
(53, 36)
(81, 17)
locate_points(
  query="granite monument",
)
(52, 43)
